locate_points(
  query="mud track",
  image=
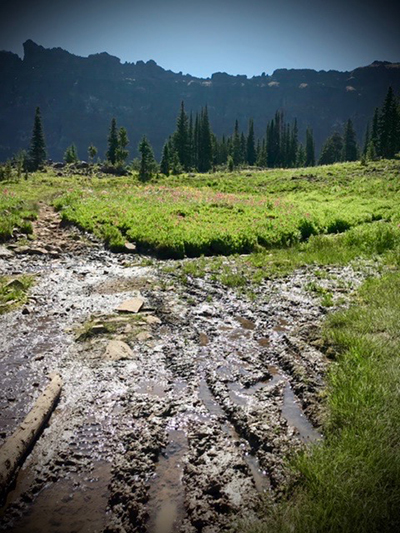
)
(184, 432)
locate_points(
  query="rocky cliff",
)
(78, 97)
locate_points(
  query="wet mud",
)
(184, 431)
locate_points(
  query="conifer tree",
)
(122, 153)
(301, 156)
(294, 142)
(350, 150)
(236, 156)
(389, 126)
(37, 152)
(205, 146)
(92, 152)
(148, 165)
(181, 138)
(375, 132)
(332, 150)
(242, 148)
(71, 155)
(310, 148)
(112, 142)
(165, 161)
(367, 139)
(251, 155)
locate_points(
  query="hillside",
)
(79, 96)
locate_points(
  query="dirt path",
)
(188, 431)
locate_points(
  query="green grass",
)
(15, 213)
(221, 214)
(13, 292)
(351, 482)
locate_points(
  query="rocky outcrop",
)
(79, 96)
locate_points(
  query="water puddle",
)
(260, 478)
(153, 388)
(293, 414)
(166, 494)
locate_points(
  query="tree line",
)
(194, 147)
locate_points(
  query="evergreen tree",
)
(367, 139)
(242, 148)
(92, 152)
(165, 161)
(37, 152)
(262, 159)
(205, 145)
(121, 152)
(148, 165)
(294, 143)
(389, 126)
(251, 155)
(350, 150)
(310, 148)
(181, 138)
(71, 155)
(375, 132)
(112, 142)
(236, 155)
(175, 165)
(301, 156)
(332, 150)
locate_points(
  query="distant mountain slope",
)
(79, 96)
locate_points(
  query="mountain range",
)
(78, 97)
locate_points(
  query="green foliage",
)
(310, 149)
(112, 142)
(37, 152)
(332, 150)
(350, 149)
(236, 213)
(71, 155)
(121, 153)
(13, 292)
(148, 165)
(92, 152)
(351, 481)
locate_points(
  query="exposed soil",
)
(185, 430)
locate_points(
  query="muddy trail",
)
(176, 418)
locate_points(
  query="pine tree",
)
(37, 152)
(205, 144)
(262, 159)
(236, 156)
(367, 139)
(71, 155)
(148, 165)
(310, 149)
(301, 156)
(165, 161)
(121, 152)
(92, 152)
(181, 138)
(332, 150)
(350, 150)
(112, 142)
(375, 132)
(389, 126)
(251, 155)
(294, 143)
(242, 148)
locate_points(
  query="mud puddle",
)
(182, 434)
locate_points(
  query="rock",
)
(131, 306)
(26, 311)
(130, 247)
(151, 319)
(4, 252)
(143, 336)
(117, 351)
(59, 165)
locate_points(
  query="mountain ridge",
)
(78, 97)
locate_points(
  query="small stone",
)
(15, 284)
(26, 311)
(143, 336)
(151, 319)
(131, 306)
(118, 350)
(130, 247)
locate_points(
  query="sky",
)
(199, 38)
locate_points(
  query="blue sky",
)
(239, 37)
